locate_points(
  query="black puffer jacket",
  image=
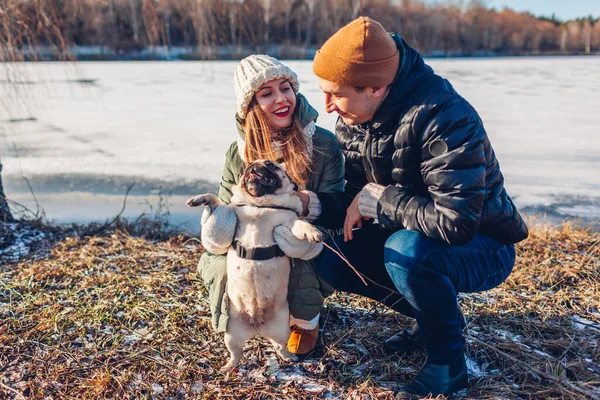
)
(428, 146)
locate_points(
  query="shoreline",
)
(82, 199)
(62, 210)
(234, 53)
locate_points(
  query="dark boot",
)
(435, 380)
(410, 338)
(406, 340)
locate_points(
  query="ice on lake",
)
(82, 133)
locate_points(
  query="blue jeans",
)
(419, 277)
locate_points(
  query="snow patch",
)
(474, 369)
(20, 238)
(296, 375)
(583, 323)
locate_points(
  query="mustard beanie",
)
(255, 70)
(360, 54)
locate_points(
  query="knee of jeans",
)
(406, 248)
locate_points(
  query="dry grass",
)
(110, 315)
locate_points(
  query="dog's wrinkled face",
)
(263, 177)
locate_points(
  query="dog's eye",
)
(269, 164)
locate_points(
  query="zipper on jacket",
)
(371, 168)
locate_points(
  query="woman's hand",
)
(304, 199)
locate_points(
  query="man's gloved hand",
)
(294, 247)
(218, 229)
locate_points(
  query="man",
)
(424, 190)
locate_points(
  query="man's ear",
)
(378, 91)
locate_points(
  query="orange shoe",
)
(301, 341)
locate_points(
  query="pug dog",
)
(258, 270)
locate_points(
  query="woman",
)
(275, 122)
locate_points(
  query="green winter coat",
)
(306, 291)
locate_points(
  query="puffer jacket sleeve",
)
(453, 169)
(228, 178)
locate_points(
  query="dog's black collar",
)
(275, 207)
(257, 253)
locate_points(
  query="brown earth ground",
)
(120, 313)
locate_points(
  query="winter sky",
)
(562, 9)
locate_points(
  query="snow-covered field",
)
(82, 133)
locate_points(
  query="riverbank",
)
(204, 53)
(118, 310)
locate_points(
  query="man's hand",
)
(353, 218)
(304, 199)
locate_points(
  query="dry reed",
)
(111, 315)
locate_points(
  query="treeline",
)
(124, 26)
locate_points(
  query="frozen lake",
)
(80, 134)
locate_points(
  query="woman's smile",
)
(282, 112)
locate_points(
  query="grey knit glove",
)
(294, 247)
(218, 229)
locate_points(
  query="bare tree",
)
(200, 17)
(266, 20)
(27, 29)
(357, 6)
(310, 5)
(166, 13)
(5, 214)
(586, 36)
(234, 8)
(449, 26)
(288, 5)
(596, 36)
(135, 19)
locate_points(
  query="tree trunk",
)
(168, 29)
(267, 21)
(5, 214)
(135, 21)
(311, 12)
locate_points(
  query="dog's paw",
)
(304, 230)
(314, 236)
(227, 368)
(201, 200)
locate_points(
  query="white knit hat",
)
(255, 70)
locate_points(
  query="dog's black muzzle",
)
(260, 178)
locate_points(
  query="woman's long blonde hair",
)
(291, 142)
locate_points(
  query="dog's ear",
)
(290, 178)
(291, 181)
